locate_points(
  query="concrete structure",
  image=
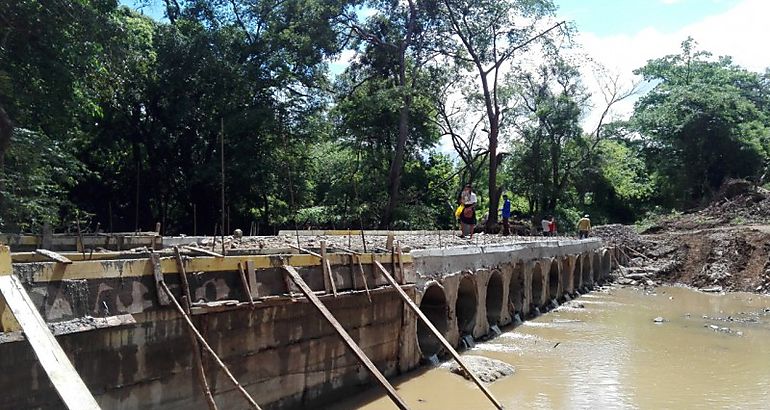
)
(133, 351)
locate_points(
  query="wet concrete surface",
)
(619, 348)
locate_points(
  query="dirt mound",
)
(738, 202)
(618, 235)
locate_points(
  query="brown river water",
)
(712, 352)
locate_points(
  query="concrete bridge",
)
(132, 350)
(469, 290)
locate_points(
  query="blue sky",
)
(611, 17)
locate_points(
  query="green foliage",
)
(704, 121)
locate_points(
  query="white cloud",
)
(739, 32)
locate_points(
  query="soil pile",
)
(738, 202)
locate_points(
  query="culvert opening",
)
(537, 285)
(434, 306)
(596, 266)
(465, 308)
(553, 279)
(585, 270)
(565, 274)
(494, 299)
(516, 290)
(577, 273)
(606, 263)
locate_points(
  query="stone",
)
(659, 319)
(488, 370)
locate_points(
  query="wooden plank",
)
(251, 275)
(438, 334)
(363, 277)
(327, 269)
(360, 355)
(158, 273)
(245, 284)
(183, 277)
(202, 251)
(400, 256)
(198, 365)
(52, 358)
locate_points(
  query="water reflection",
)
(610, 355)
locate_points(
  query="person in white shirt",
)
(468, 216)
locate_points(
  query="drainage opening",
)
(596, 267)
(516, 290)
(585, 265)
(537, 285)
(553, 279)
(434, 306)
(565, 271)
(494, 299)
(465, 308)
(577, 272)
(606, 263)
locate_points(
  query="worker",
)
(545, 223)
(468, 216)
(505, 213)
(584, 227)
(552, 226)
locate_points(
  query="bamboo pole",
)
(208, 348)
(311, 296)
(438, 334)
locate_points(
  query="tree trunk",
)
(6, 131)
(397, 165)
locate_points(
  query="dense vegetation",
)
(114, 121)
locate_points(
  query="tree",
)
(490, 34)
(703, 122)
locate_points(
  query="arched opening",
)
(577, 273)
(465, 308)
(553, 279)
(606, 263)
(565, 274)
(516, 289)
(596, 267)
(585, 270)
(537, 285)
(494, 298)
(434, 306)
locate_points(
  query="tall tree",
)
(491, 34)
(703, 122)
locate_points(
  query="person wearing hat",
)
(584, 227)
(468, 215)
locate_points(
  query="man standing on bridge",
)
(584, 227)
(468, 215)
(505, 213)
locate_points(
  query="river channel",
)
(605, 351)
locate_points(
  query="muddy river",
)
(607, 352)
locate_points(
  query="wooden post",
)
(158, 273)
(198, 364)
(208, 348)
(183, 277)
(360, 355)
(245, 284)
(400, 263)
(327, 269)
(251, 275)
(62, 374)
(438, 334)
